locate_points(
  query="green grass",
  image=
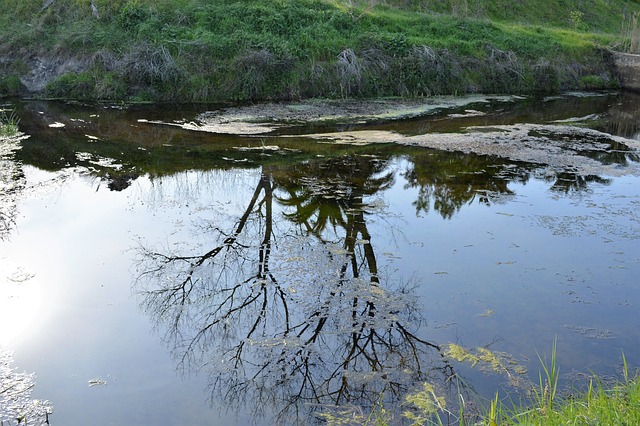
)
(599, 405)
(616, 403)
(197, 50)
(8, 123)
(613, 404)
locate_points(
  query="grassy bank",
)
(195, 50)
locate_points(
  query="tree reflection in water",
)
(448, 181)
(288, 308)
(294, 314)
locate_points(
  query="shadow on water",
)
(286, 305)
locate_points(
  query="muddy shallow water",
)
(271, 263)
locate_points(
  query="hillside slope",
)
(231, 50)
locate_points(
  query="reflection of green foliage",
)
(324, 193)
(452, 180)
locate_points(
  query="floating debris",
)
(487, 313)
(97, 382)
(20, 276)
(591, 332)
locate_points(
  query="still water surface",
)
(153, 274)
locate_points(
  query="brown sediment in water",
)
(561, 146)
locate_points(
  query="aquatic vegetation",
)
(427, 404)
(489, 361)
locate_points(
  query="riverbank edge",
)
(81, 78)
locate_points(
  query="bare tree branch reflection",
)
(289, 323)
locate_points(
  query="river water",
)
(157, 269)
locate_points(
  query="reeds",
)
(630, 34)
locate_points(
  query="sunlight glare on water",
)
(21, 304)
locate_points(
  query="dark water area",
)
(155, 273)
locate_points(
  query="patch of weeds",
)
(8, 123)
(72, 86)
(259, 74)
(110, 86)
(595, 82)
(132, 15)
(351, 415)
(546, 78)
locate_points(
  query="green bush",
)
(10, 86)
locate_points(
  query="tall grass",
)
(630, 34)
